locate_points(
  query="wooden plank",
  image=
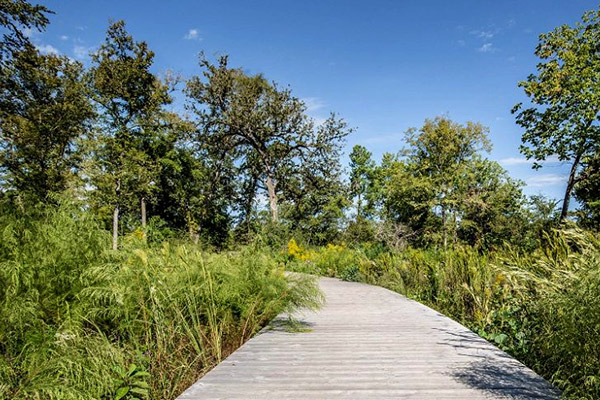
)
(369, 343)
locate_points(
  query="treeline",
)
(105, 136)
(246, 157)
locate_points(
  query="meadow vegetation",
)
(540, 306)
(140, 245)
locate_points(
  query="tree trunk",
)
(115, 232)
(143, 208)
(570, 185)
(444, 232)
(272, 198)
(358, 208)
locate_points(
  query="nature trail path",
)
(369, 343)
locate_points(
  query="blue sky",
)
(384, 66)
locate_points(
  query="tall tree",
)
(44, 110)
(254, 122)
(128, 95)
(362, 169)
(313, 192)
(565, 97)
(440, 150)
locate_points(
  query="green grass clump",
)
(78, 321)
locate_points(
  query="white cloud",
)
(29, 32)
(483, 34)
(515, 161)
(192, 35)
(46, 49)
(313, 103)
(81, 52)
(487, 48)
(64, 37)
(509, 161)
(461, 43)
(544, 180)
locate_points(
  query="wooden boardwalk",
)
(369, 343)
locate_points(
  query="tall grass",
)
(542, 307)
(80, 322)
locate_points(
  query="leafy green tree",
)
(362, 169)
(17, 16)
(44, 112)
(194, 188)
(313, 191)
(408, 200)
(441, 150)
(565, 97)
(543, 216)
(491, 208)
(261, 126)
(128, 95)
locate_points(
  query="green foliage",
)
(44, 113)
(563, 119)
(264, 129)
(131, 383)
(15, 17)
(445, 191)
(587, 191)
(130, 98)
(80, 322)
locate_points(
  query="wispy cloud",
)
(64, 37)
(514, 161)
(29, 32)
(487, 48)
(313, 103)
(82, 52)
(47, 49)
(483, 34)
(192, 35)
(510, 161)
(543, 180)
(461, 43)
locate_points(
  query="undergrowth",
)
(78, 321)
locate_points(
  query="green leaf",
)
(500, 338)
(121, 392)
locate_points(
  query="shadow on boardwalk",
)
(504, 379)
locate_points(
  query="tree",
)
(45, 111)
(361, 174)
(194, 188)
(261, 126)
(313, 192)
(128, 96)
(565, 97)
(491, 206)
(17, 16)
(440, 151)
